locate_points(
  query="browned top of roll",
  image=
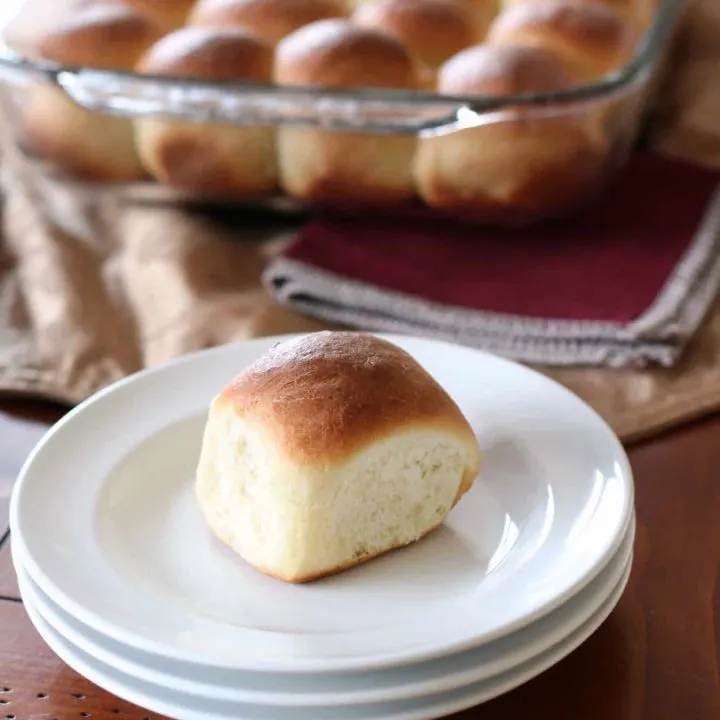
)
(433, 30)
(210, 54)
(503, 70)
(104, 36)
(271, 19)
(593, 34)
(638, 12)
(168, 13)
(628, 7)
(337, 53)
(646, 11)
(326, 395)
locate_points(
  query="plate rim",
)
(504, 683)
(309, 664)
(589, 608)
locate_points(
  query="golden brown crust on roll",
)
(167, 14)
(210, 54)
(219, 159)
(533, 163)
(647, 10)
(105, 36)
(213, 161)
(271, 19)
(346, 169)
(337, 53)
(320, 166)
(86, 144)
(324, 396)
(639, 13)
(526, 170)
(329, 450)
(628, 8)
(432, 30)
(592, 39)
(498, 71)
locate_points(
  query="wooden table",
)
(657, 657)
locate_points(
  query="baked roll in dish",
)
(592, 39)
(514, 159)
(635, 11)
(432, 30)
(345, 168)
(328, 451)
(89, 145)
(272, 20)
(232, 161)
(168, 14)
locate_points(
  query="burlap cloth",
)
(92, 290)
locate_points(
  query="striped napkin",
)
(625, 284)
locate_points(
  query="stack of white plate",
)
(123, 580)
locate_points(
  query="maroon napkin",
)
(626, 283)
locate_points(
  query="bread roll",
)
(271, 19)
(592, 39)
(647, 10)
(632, 10)
(519, 162)
(432, 30)
(90, 145)
(328, 451)
(226, 160)
(105, 36)
(168, 14)
(341, 167)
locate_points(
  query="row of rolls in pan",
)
(452, 47)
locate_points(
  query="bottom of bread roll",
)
(301, 524)
(87, 145)
(218, 160)
(537, 165)
(343, 167)
(348, 565)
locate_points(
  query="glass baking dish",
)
(620, 99)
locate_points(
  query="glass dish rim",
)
(128, 93)
(650, 48)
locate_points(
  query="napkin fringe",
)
(657, 336)
(547, 351)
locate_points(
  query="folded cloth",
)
(626, 284)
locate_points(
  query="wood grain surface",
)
(656, 657)
(8, 582)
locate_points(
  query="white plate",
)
(130, 555)
(182, 706)
(391, 684)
